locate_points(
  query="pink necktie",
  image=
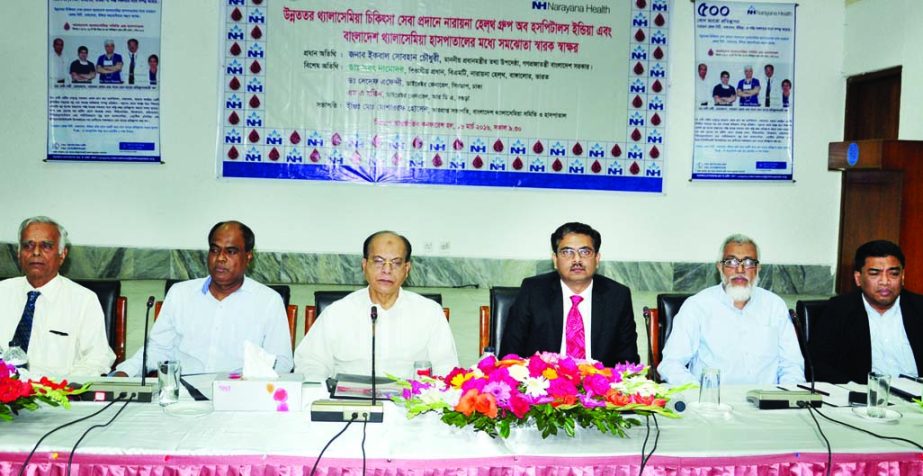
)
(576, 337)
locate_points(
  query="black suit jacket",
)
(841, 345)
(535, 322)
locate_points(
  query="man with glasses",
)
(878, 327)
(57, 322)
(408, 327)
(736, 327)
(571, 310)
(204, 322)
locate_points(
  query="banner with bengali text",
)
(745, 92)
(536, 94)
(104, 80)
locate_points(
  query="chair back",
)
(501, 301)
(668, 306)
(169, 284)
(284, 291)
(807, 313)
(109, 294)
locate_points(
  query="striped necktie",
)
(24, 329)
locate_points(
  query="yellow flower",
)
(460, 379)
(550, 374)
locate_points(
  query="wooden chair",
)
(493, 317)
(115, 309)
(660, 324)
(322, 299)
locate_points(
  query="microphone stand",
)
(147, 316)
(374, 316)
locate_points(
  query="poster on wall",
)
(745, 91)
(104, 80)
(538, 94)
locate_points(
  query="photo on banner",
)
(104, 80)
(744, 91)
(479, 93)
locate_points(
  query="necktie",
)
(576, 336)
(768, 87)
(131, 70)
(24, 329)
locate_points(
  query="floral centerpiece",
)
(551, 391)
(17, 394)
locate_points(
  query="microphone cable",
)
(70, 459)
(365, 423)
(811, 411)
(646, 457)
(25, 462)
(350, 422)
(883, 437)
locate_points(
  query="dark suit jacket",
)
(841, 345)
(535, 322)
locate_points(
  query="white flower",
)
(519, 372)
(434, 395)
(536, 386)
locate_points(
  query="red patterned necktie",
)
(576, 336)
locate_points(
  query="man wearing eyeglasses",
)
(408, 326)
(876, 328)
(572, 310)
(205, 322)
(736, 327)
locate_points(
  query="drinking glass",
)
(168, 372)
(422, 368)
(710, 388)
(879, 389)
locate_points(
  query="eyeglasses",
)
(379, 263)
(571, 253)
(749, 263)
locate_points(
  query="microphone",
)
(374, 316)
(147, 316)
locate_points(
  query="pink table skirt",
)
(801, 464)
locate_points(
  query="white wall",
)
(173, 205)
(886, 33)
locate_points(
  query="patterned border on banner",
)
(250, 147)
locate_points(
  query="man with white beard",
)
(736, 327)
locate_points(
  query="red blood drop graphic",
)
(637, 101)
(417, 143)
(256, 33)
(557, 165)
(396, 159)
(315, 156)
(634, 169)
(577, 149)
(655, 152)
(234, 118)
(659, 20)
(437, 161)
(641, 3)
(294, 138)
(236, 15)
(477, 162)
(255, 67)
(357, 157)
(616, 151)
(498, 147)
(254, 102)
(233, 154)
(274, 154)
(235, 49)
(658, 53)
(639, 35)
(636, 135)
(657, 86)
(458, 144)
(517, 164)
(336, 139)
(596, 167)
(67, 26)
(234, 84)
(639, 68)
(655, 119)
(254, 136)
(257, 2)
(538, 148)
(711, 52)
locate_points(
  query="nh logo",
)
(520, 149)
(254, 86)
(255, 51)
(576, 168)
(539, 5)
(233, 102)
(235, 2)
(256, 16)
(235, 68)
(254, 120)
(652, 173)
(481, 148)
(315, 142)
(232, 137)
(235, 33)
(254, 155)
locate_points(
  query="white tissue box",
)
(258, 395)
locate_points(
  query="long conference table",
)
(145, 440)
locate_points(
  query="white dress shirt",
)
(68, 328)
(891, 351)
(753, 345)
(60, 68)
(207, 335)
(340, 341)
(586, 312)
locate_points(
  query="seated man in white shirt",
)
(409, 326)
(736, 327)
(56, 321)
(204, 322)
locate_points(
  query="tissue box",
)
(232, 393)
